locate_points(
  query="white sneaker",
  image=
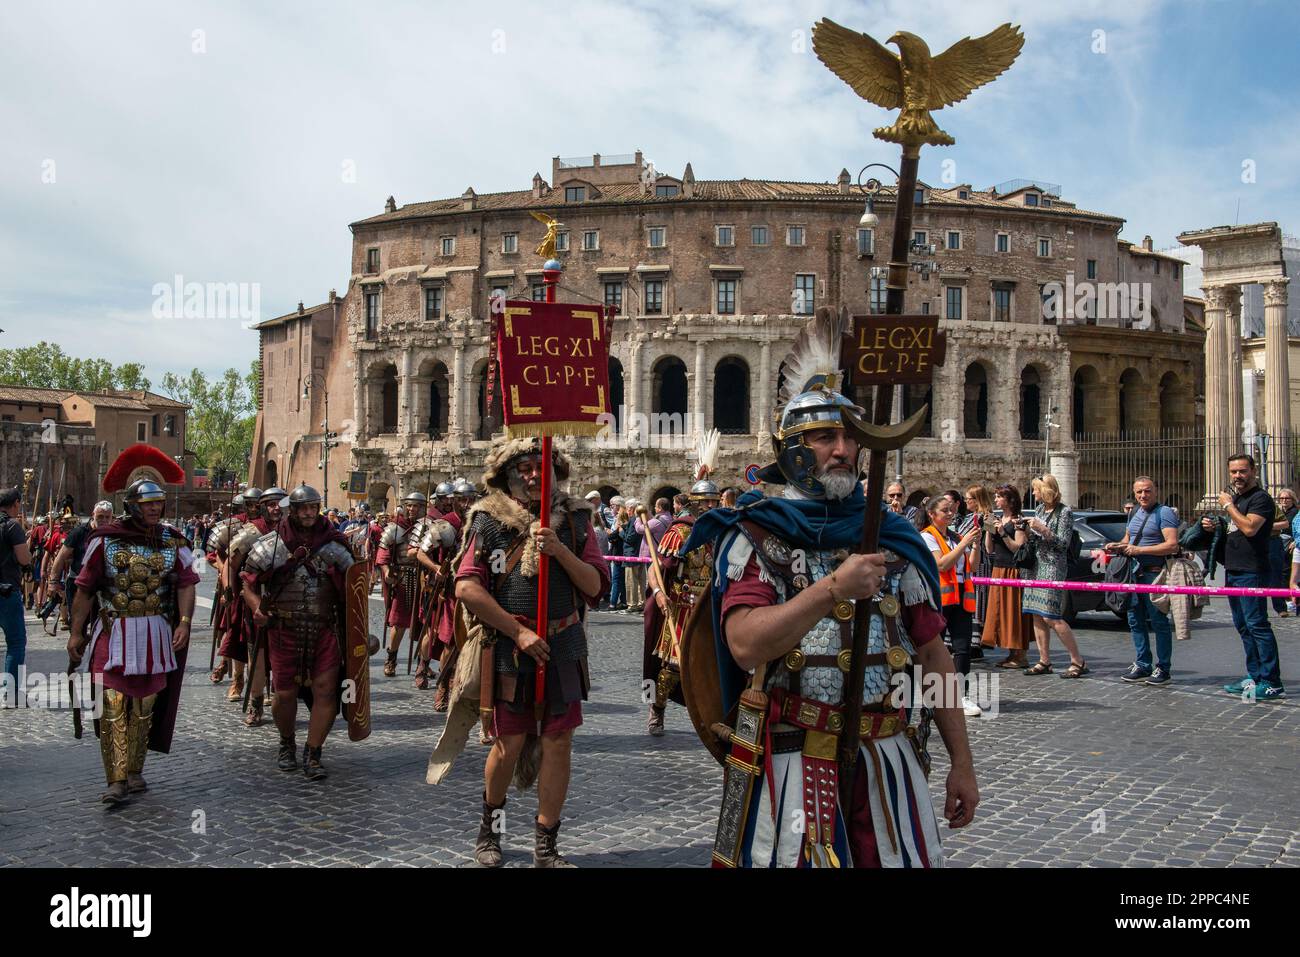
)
(971, 708)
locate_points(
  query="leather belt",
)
(554, 626)
(818, 716)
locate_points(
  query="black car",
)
(1095, 529)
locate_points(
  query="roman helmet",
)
(414, 498)
(144, 489)
(464, 489)
(304, 495)
(810, 400)
(273, 495)
(704, 494)
(444, 490)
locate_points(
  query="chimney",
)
(390, 206)
(538, 185)
(688, 182)
(844, 182)
(334, 295)
(300, 309)
(1146, 243)
(595, 160)
(468, 197)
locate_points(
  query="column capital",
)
(1275, 291)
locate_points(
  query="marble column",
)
(1217, 389)
(406, 412)
(1236, 399)
(455, 421)
(1064, 467)
(631, 387)
(762, 424)
(1277, 383)
(359, 410)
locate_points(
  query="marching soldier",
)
(677, 582)
(431, 543)
(251, 638)
(782, 603)
(401, 574)
(232, 656)
(295, 585)
(137, 585)
(496, 582)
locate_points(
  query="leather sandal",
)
(1076, 670)
(219, 673)
(255, 717)
(1041, 668)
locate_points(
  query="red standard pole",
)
(550, 279)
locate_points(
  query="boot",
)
(487, 849)
(236, 692)
(656, 724)
(390, 666)
(440, 697)
(311, 766)
(113, 745)
(256, 710)
(288, 759)
(137, 742)
(544, 852)
(422, 677)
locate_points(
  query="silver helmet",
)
(463, 487)
(444, 490)
(237, 503)
(140, 491)
(704, 489)
(252, 495)
(304, 495)
(273, 494)
(415, 498)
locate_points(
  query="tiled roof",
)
(137, 400)
(21, 393)
(707, 191)
(267, 323)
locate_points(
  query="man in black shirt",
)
(73, 551)
(14, 554)
(1250, 511)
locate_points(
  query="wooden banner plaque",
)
(899, 350)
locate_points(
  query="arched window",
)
(1085, 414)
(271, 457)
(1175, 404)
(731, 396)
(668, 397)
(383, 398)
(1030, 404)
(975, 406)
(914, 396)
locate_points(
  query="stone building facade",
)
(712, 281)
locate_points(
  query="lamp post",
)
(327, 437)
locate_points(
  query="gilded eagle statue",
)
(547, 248)
(912, 79)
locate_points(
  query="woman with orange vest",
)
(956, 592)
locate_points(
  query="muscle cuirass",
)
(826, 638)
(139, 579)
(517, 594)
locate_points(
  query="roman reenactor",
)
(249, 637)
(218, 556)
(137, 585)
(784, 585)
(303, 587)
(375, 533)
(401, 574)
(496, 584)
(36, 547)
(431, 544)
(464, 495)
(677, 581)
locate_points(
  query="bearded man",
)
(497, 583)
(401, 574)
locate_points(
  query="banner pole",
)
(550, 279)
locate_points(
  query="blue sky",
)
(219, 155)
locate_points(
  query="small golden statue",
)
(547, 249)
(913, 80)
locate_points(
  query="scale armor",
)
(140, 580)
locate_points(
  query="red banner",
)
(554, 362)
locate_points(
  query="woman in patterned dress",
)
(1050, 528)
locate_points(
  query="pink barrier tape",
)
(1141, 589)
(627, 558)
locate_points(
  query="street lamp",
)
(327, 437)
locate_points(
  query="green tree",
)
(46, 366)
(222, 414)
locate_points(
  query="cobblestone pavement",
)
(1091, 772)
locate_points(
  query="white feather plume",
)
(706, 453)
(816, 351)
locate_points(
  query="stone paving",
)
(1072, 773)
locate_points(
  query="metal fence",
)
(1175, 459)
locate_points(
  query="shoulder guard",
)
(436, 533)
(334, 555)
(267, 552)
(392, 537)
(222, 534)
(244, 539)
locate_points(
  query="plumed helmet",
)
(252, 494)
(463, 487)
(444, 489)
(703, 490)
(416, 498)
(141, 491)
(304, 495)
(273, 495)
(814, 378)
